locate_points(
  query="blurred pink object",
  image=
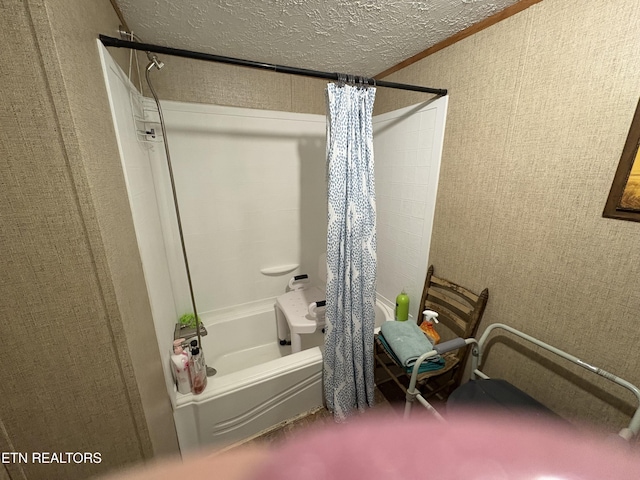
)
(470, 447)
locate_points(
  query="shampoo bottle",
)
(402, 307)
(198, 370)
(180, 367)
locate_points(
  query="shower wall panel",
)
(127, 107)
(251, 191)
(408, 149)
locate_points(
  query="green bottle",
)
(402, 307)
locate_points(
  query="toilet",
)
(301, 310)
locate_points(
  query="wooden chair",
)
(459, 312)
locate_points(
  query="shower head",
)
(154, 61)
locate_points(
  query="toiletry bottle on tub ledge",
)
(402, 307)
(198, 370)
(180, 367)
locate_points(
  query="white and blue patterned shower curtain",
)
(351, 251)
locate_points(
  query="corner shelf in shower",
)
(145, 119)
(279, 270)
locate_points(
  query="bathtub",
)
(259, 382)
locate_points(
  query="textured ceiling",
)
(361, 37)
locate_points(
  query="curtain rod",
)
(147, 47)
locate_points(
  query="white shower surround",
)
(408, 149)
(264, 204)
(249, 185)
(267, 170)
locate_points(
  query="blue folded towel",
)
(406, 340)
(434, 363)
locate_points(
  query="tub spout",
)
(187, 333)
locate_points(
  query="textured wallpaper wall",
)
(186, 80)
(72, 282)
(540, 106)
(101, 186)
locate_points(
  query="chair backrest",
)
(459, 309)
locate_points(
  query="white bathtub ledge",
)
(223, 385)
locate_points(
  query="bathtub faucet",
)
(183, 331)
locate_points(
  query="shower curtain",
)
(351, 251)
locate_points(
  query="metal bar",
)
(148, 47)
(175, 202)
(634, 425)
(478, 373)
(412, 392)
(429, 407)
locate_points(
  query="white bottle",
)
(180, 367)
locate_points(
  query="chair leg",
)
(392, 375)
